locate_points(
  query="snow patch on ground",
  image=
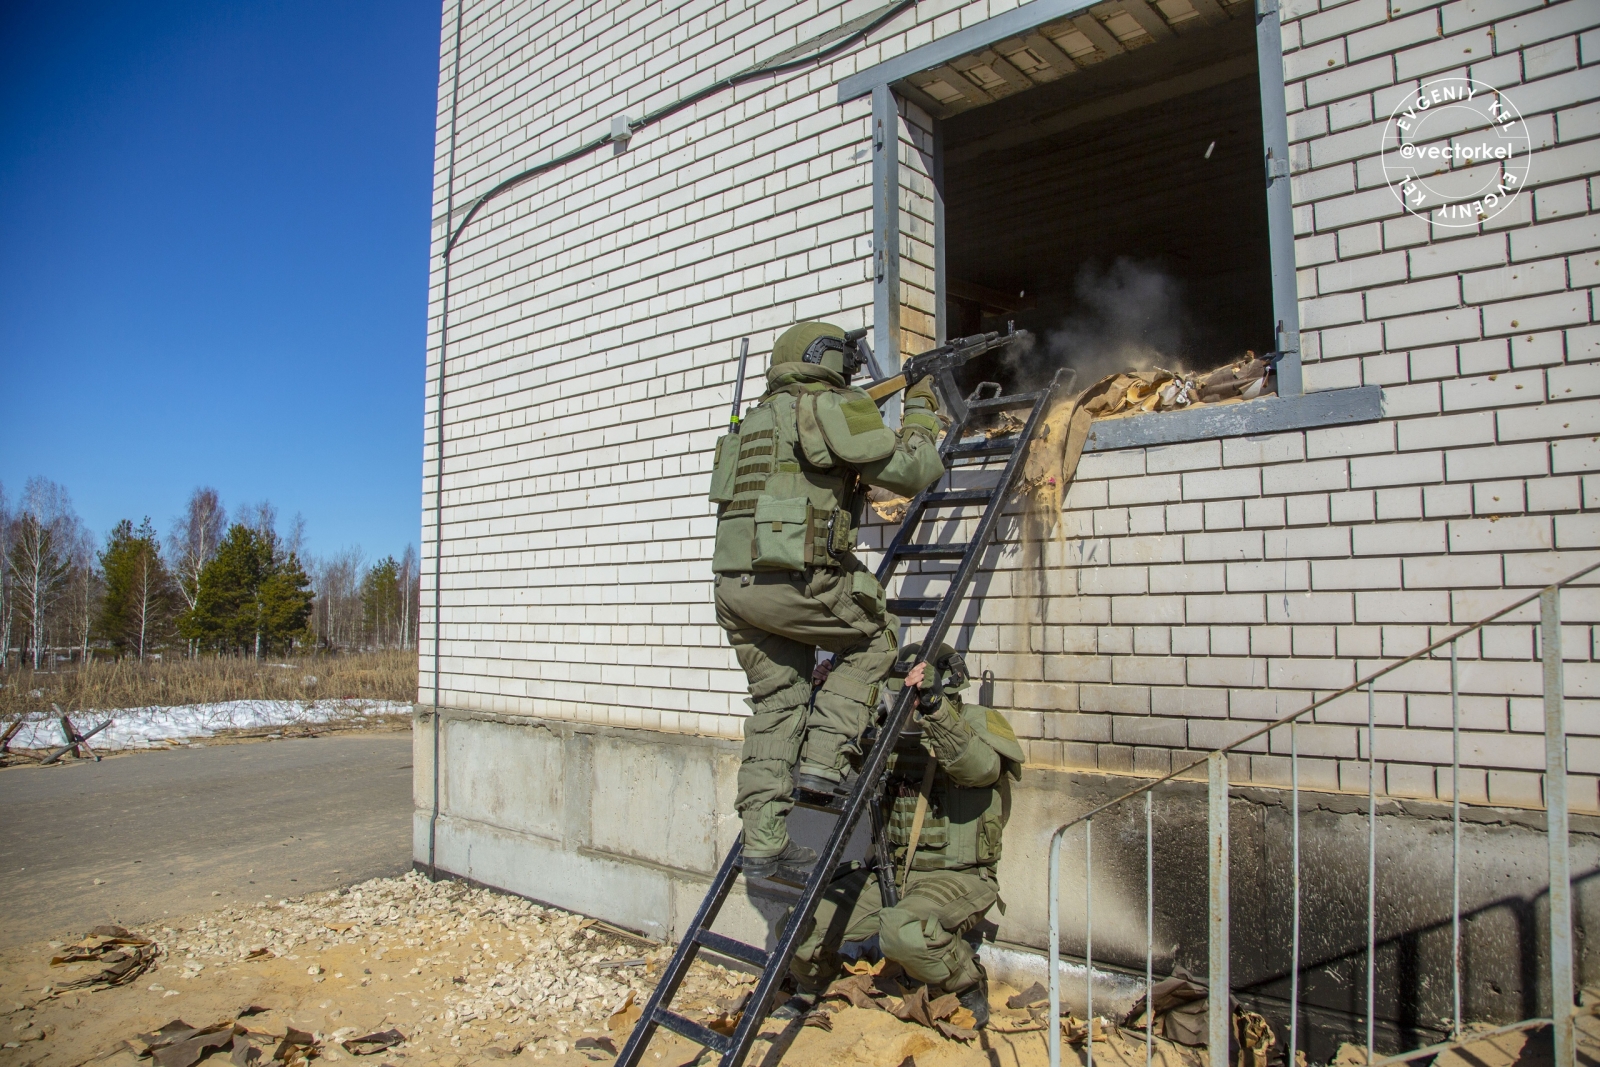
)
(152, 727)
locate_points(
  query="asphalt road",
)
(171, 833)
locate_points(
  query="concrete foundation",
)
(629, 826)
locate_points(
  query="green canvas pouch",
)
(867, 592)
(724, 468)
(782, 529)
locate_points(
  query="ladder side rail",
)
(682, 957)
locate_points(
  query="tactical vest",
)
(784, 506)
(963, 826)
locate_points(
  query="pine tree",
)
(251, 596)
(380, 602)
(137, 606)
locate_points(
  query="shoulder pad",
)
(813, 442)
(853, 426)
(996, 733)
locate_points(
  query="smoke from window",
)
(1130, 316)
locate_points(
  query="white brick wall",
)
(1197, 590)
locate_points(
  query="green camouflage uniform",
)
(952, 881)
(790, 482)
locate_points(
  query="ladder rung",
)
(1005, 403)
(913, 606)
(782, 879)
(831, 809)
(988, 446)
(734, 949)
(955, 497)
(931, 551)
(700, 1035)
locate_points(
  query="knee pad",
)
(775, 734)
(927, 951)
(900, 935)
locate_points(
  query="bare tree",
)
(194, 540)
(47, 541)
(293, 543)
(262, 518)
(410, 595)
(7, 603)
(337, 615)
(84, 588)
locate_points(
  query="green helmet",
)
(949, 663)
(821, 343)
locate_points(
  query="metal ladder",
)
(956, 451)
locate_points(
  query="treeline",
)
(214, 583)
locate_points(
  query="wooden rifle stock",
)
(887, 387)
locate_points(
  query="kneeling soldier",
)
(946, 803)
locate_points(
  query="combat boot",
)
(796, 1007)
(815, 789)
(791, 866)
(975, 998)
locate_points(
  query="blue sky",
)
(214, 254)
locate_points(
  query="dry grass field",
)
(127, 683)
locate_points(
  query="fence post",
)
(1053, 1034)
(1219, 1004)
(1555, 800)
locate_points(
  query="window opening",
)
(1119, 212)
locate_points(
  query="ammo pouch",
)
(783, 534)
(867, 592)
(791, 535)
(724, 468)
(903, 811)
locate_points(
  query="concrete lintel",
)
(1363, 403)
(937, 53)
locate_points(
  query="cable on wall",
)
(834, 42)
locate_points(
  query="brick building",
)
(1430, 454)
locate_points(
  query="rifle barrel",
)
(954, 352)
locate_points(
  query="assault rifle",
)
(941, 362)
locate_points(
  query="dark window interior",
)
(1088, 211)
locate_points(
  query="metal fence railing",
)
(1560, 942)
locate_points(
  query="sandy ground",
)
(468, 975)
(471, 976)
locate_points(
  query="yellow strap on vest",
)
(921, 813)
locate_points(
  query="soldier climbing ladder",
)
(957, 451)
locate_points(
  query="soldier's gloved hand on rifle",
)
(922, 406)
(930, 690)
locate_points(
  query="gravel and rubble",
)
(462, 972)
(476, 956)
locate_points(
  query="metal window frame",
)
(1291, 409)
